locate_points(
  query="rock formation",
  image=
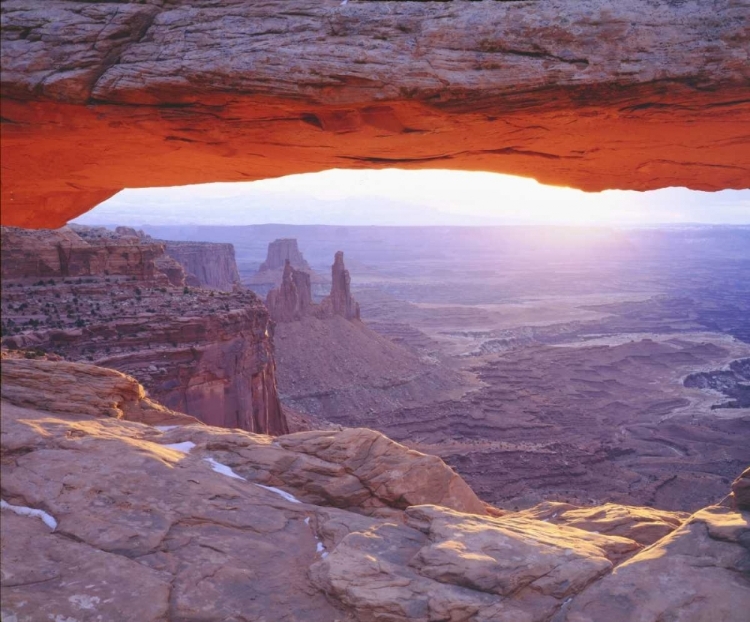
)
(316, 526)
(340, 301)
(65, 253)
(281, 252)
(292, 300)
(211, 265)
(208, 354)
(333, 366)
(272, 271)
(570, 93)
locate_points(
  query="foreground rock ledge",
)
(190, 522)
(594, 94)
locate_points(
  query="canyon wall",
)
(205, 353)
(109, 95)
(211, 264)
(64, 253)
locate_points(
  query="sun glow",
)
(423, 197)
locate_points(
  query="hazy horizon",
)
(394, 197)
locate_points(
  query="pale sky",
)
(424, 197)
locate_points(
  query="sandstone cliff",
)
(212, 265)
(65, 253)
(318, 526)
(208, 354)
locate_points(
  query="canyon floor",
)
(555, 360)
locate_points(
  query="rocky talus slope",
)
(205, 353)
(332, 365)
(105, 516)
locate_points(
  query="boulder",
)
(699, 572)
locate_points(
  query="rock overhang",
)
(595, 94)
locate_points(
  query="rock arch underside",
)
(593, 94)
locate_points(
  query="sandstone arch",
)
(595, 94)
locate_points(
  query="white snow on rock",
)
(166, 428)
(183, 447)
(24, 511)
(223, 469)
(281, 493)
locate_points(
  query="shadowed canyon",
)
(279, 423)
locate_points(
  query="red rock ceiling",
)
(594, 94)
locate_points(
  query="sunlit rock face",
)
(316, 526)
(593, 94)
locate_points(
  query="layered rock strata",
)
(106, 95)
(281, 252)
(65, 253)
(208, 354)
(316, 526)
(207, 264)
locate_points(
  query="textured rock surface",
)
(80, 389)
(292, 300)
(212, 265)
(450, 566)
(644, 525)
(699, 572)
(208, 354)
(64, 253)
(170, 523)
(590, 94)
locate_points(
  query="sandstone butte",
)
(594, 94)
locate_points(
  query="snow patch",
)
(223, 469)
(281, 493)
(24, 511)
(166, 428)
(82, 601)
(182, 447)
